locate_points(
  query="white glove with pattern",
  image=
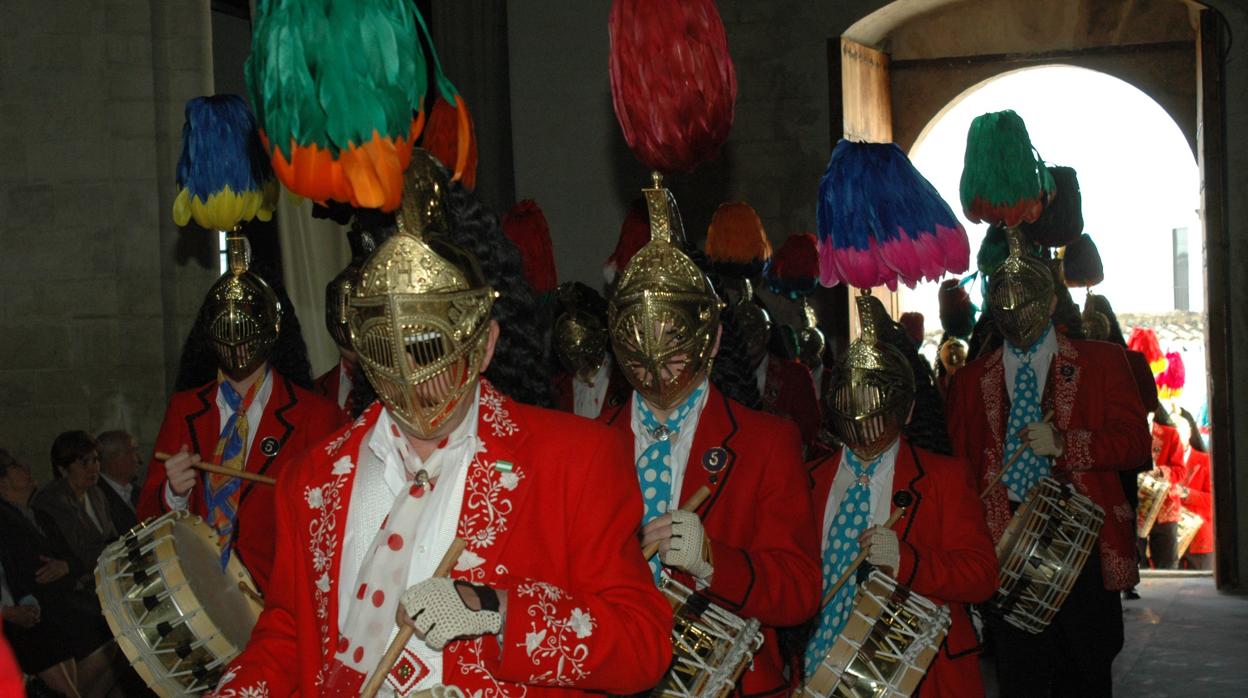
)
(439, 615)
(689, 548)
(883, 550)
(1044, 440)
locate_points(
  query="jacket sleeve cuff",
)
(909, 565)
(734, 575)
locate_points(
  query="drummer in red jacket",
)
(940, 547)
(750, 548)
(253, 415)
(995, 407)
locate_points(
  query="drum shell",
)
(154, 583)
(884, 612)
(1189, 525)
(711, 647)
(1152, 499)
(1042, 552)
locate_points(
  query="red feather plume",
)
(672, 81)
(794, 269)
(525, 225)
(634, 233)
(451, 136)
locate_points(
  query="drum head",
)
(216, 590)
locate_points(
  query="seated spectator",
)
(55, 629)
(119, 470)
(72, 504)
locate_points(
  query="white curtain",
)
(314, 250)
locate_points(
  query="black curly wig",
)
(927, 428)
(518, 368)
(198, 364)
(731, 371)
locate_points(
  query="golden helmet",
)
(242, 312)
(872, 387)
(664, 314)
(1020, 295)
(419, 315)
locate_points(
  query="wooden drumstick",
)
(901, 500)
(695, 500)
(218, 470)
(405, 630)
(1018, 453)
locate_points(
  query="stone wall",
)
(97, 287)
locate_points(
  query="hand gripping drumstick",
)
(1048, 417)
(218, 470)
(695, 500)
(406, 631)
(901, 500)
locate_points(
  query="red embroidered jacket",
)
(1168, 458)
(550, 514)
(758, 518)
(293, 419)
(947, 554)
(1095, 402)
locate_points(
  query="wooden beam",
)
(1218, 348)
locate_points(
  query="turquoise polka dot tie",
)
(1024, 410)
(840, 549)
(654, 467)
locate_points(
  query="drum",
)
(1042, 552)
(176, 615)
(1189, 524)
(884, 650)
(1152, 498)
(710, 646)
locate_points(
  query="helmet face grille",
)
(422, 352)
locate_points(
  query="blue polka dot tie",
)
(839, 550)
(1024, 410)
(654, 467)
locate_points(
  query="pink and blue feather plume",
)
(881, 221)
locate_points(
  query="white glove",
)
(438, 613)
(1044, 440)
(883, 550)
(688, 548)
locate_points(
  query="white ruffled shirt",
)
(382, 475)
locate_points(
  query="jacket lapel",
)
(274, 431)
(992, 391)
(1063, 383)
(204, 423)
(908, 473)
(495, 486)
(712, 458)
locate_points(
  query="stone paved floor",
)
(1182, 627)
(1183, 639)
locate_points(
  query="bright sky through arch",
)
(1137, 173)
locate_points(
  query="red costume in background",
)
(789, 391)
(946, 553)
(758, 519)
(550, 514)
(293, 420)
(1200, 500)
